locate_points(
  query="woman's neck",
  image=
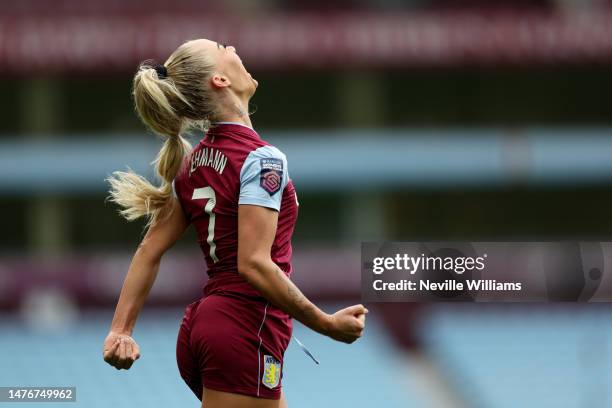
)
(236, 110)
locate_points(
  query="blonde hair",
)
(168, 105)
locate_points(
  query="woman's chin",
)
(254, 81)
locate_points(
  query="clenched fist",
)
(347, 325)
(120, 350)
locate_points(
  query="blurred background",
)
(402, 120)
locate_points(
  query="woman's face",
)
(229, 65)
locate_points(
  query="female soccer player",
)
(235, 189)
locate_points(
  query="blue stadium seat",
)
(507, 357)
(364, 374)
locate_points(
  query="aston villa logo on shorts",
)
(272, 371)
(271, 175)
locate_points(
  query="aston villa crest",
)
(272, 371)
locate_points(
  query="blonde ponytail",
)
(168, 105)
(136, 194)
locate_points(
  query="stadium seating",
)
(365, 374)
(520, 356)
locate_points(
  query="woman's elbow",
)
(250, 266)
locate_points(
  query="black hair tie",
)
(161, 71)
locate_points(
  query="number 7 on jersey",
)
(207, 193)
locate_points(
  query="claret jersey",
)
(230, 166)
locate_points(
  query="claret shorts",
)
(232, 343)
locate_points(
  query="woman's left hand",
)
(120, 350)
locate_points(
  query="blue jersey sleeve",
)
(263, 178)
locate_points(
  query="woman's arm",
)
(256, 232)
(119, 348)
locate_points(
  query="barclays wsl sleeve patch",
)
(271, 175)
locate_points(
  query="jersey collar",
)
(237, 127)
(232, 123)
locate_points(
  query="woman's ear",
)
(220, 81)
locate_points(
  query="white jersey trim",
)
(259, 348)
